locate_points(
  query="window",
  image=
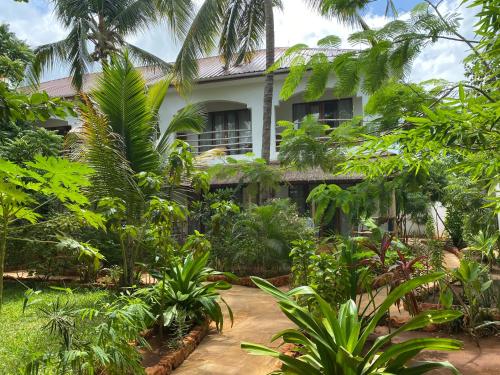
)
(331, 112)
(230, 129)
(60, 130)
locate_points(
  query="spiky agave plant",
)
(336, 341)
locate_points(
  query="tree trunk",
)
(269, 83)
(3, 250)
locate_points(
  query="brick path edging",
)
(170, 361)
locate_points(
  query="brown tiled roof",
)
(210, 69)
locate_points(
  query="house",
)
(233, 99)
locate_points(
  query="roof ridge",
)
(211, 68)
(199, 59)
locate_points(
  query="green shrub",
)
(184, 295)
(454, 226)
(336, 342)
(262, 236)
(30, 142)
(92, 340)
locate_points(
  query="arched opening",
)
(229, 126)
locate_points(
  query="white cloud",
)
(444, 59)
(35, 23)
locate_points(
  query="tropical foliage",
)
(119, 141)
(25, 189)
(336, 341)
(14, 56)
(120, 189)
(184, 296)
(102, 344)
(104, 26)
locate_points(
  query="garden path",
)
(256, 319)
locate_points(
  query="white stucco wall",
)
(245, 93)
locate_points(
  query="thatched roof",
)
(309, 175)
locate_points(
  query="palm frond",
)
(98, 146)
(200, 39)
(134, 16)
(78, 55)
(122, 96)
(145, 58)
(251, 30)
(192, 118)
(177, 13)
(156, 94)
(46, 57)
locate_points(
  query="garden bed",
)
(159, 360)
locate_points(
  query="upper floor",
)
(233, 99)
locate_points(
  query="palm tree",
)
(237, 27)
(103, 25)
(269, 84)
(119, 140)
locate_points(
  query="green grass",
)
(22, 336)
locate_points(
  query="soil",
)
(471, 360)
(158, 349)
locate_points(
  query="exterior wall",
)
(245, 93)
(417, 230)
(236, 93)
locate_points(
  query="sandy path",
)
(256, 319)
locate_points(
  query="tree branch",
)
(461, 37)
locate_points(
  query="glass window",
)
(230, 129)
(329, 110)
(345, 110)
(299, 111)
(244, 132)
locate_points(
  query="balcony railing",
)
(334, 123)
(237, 141)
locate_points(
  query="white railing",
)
(237, 141)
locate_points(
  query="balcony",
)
(234, 141)
(334, 123)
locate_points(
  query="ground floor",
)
(295, 186)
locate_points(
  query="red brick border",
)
(170, 361)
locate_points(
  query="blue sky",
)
(379, 6)
(35, 23)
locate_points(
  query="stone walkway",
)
(256, 319)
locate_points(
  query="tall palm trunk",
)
(269, 83)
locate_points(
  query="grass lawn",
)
(22, 336)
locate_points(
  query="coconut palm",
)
(119, 139)
(98, 29)
(237, 28)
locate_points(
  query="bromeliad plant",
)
(337, 342)
(183, 292)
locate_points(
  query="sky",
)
(35, 23)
